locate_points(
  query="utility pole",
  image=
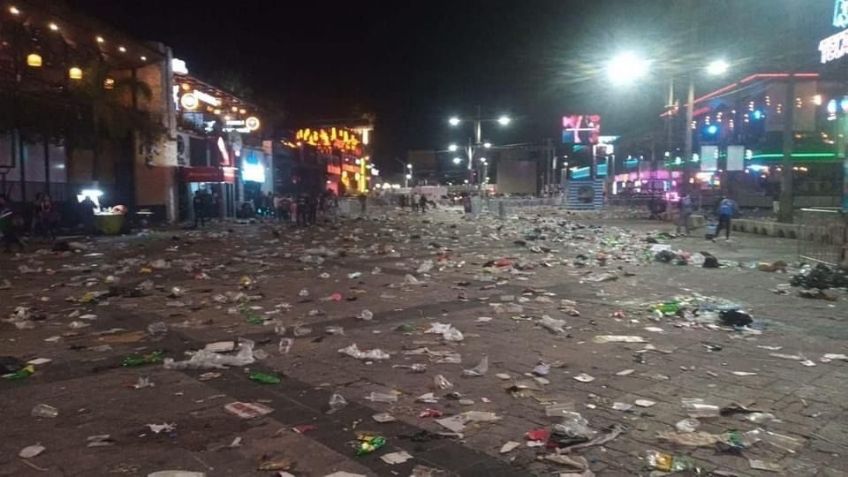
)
(787, 206)
(687, 128)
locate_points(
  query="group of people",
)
(43, 221)
(304, 208)
(727, 209)
(418, 202)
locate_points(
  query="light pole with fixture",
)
(628, 68)
(475, 143)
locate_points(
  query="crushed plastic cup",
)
(285, 345)
(697, 408)
(480, 370)
(441, 382)
(337, 403)
(382, 397)
(365, 315)
(687, 425)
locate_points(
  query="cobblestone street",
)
(384, 283)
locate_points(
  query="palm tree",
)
(112, 109)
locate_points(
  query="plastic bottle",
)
(22, 373)
(44, 410)
(368, 444)
(135, 360)
(264, 378)
(669, 463)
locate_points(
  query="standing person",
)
(302, 210)
(87, 208)
(685, 208)
(9, 226)
(363, 205)
(413, 199)
(199, 204)
(278, 207)
(313, 209)
(422, 203)
(727, 208)
(47, 217)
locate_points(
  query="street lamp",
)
(453, 148)
(718, 67)
(454, 121)
(457, 160)
(409, 166)
(504, 120)
(627, 68)
(487, 145)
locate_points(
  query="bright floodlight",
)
(627, 68)
(457, 160)
(483, 160)
(504, 120)
(453, 148)
(454, 121)
(409, 176)
(718, 67)
(487, 145)
(409, 166)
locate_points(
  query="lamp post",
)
(476, 143)
(626, 69)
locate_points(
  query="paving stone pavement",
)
(94, 393)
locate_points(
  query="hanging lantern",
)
(109, 83)
(34, 60)
(75, 73)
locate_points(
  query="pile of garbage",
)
(820, 277)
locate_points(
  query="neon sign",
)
(207, 98)
(840, 14)
(339, 138)
(835, 46)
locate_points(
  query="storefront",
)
(221, 150)
(339, 154)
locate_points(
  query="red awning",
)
(208, 174)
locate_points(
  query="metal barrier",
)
(823, 236)
(504, 204)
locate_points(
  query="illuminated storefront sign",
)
(207, 98)
(339, 138)
(334, 170)
(835, 46)
(189, 101)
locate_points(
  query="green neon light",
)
(798, 155)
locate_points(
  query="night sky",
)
(415, 63)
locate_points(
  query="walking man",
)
(727, 208)
(199, 204)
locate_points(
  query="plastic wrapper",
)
(553, 325)
(205, 359)
(372, 355)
